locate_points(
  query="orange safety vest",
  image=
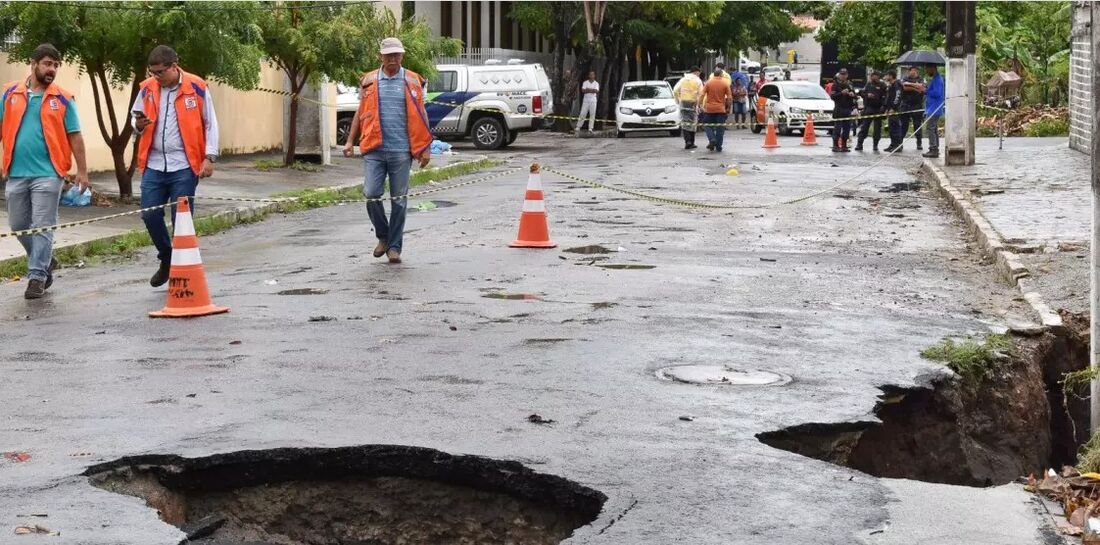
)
(189, 106)
(55, 102)
(370, 125)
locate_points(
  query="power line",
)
(193, 7)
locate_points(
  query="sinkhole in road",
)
(946, 430)
(377, 494)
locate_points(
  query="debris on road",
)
(538, 419)
(36, 529)
(234, 342)
(687, 418)
(16, 457)
(1079, 495)
(321, 318)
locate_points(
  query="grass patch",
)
(127, 244)
(1088, 456)
(1048, 127)
(1077, 382)
(267, 165)
(973, 360)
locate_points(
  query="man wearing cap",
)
(40, 134)
(392, 126)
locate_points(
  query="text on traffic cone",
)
(187, 291)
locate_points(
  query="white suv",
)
(646, 106)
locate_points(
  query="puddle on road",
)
(902, 186)
(602, 305)
(588, 250)
(722, 375)
(545, 341)
(378, 494)
(627, 266)
(513, 296)
(303, 291)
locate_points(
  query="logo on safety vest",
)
(190, 103)
(54, 104)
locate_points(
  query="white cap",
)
(392, 45)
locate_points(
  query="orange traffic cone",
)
(533, 230)
(187, 293)
(770, 139)
(809, 137)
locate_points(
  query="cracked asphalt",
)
(839, 292)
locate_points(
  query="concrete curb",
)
(238, 215)
(1007, 263)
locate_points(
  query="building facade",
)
(480, 26)
(1080, 78)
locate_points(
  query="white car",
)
(646, 106)
(774, 73)
(788, 103)
(751, 67)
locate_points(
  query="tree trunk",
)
(557, 80)
(292, 133)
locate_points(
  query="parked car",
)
(674, 79)
(490, 104)
(646, 106)
(347, 102)
(774, 73)
(750, 67)
(788, 103)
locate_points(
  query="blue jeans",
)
(32, 203)
(715, 135)
(158, 188)
(377, 165)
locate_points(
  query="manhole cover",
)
(720, 374)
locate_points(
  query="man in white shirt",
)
(177, 144)
(590, 91)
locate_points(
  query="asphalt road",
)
(840, 292)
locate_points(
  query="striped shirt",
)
(391, 111)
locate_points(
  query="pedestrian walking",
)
(393, 128)
(912, 104)
(590, 91)
(716, 99)
(874, 104)
(40, 133)
(687, 92)
(724, 75)
(740, 104)
(177, 144)
(893, 123)
(844, 102)
(933, 110)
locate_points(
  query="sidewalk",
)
(1030, 207)
(235, 176)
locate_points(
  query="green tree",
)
(312, 40)
(110, 42)
(868, 32)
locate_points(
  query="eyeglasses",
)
(158, 73)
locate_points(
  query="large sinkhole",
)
(373, 494)
(948, 431)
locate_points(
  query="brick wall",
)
(1080, 79)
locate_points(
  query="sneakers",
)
(49, 273)
(35, 289)
(932, 154)
(160, 277)
(710, 146)
(394, 256)
(859, 147)
(919, 146)
(380, 249)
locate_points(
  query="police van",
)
(491, 103)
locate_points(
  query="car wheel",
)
(512, 137)
(675, 132)
(785, 130)
(756, 128)
(343, 128)
(620, 134)
(488, 133)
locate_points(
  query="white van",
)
(489, 103)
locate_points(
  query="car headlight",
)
(671, 109)
(626, 111)
(797, 110)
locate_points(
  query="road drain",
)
(947, 431)
(720, 374)
(377, 494)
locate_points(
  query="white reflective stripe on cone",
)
(186, 256)
(184, 225)
(534, 181)
(534, 206)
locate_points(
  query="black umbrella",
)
(921, 56)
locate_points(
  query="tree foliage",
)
(869, 32)
(309, 41)
(110, 42)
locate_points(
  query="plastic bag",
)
(439, 147)
(73, 196)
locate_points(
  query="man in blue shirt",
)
(40, 133)
(933, 110)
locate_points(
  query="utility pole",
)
(1094, 248)
(961, 85)
(906, 26)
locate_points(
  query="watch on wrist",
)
(212, 158)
